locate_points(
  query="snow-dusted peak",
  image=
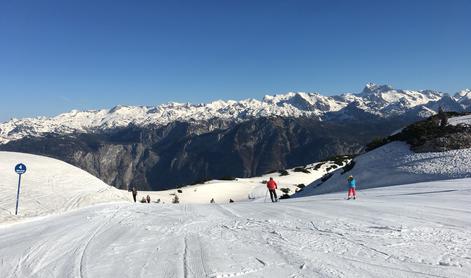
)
(465, 92)
(306, 102)
(463, 96)
(273, 99)
(374, 88)
(385, 100)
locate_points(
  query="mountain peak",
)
(465, 92)
(371, 88)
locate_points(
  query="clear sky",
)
(86, 54)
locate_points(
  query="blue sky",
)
(62, 55)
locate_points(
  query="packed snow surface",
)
(416, 230)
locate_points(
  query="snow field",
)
(417, 230)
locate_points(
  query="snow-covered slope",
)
(379, 100)
(395, 164)
(243, 189)
(417, 230)
(49, 186)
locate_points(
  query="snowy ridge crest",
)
(379, 100)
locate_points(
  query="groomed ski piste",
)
(412, 219)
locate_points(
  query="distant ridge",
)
(379, 100)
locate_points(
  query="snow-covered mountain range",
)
(378, 100)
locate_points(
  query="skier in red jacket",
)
(272, 186)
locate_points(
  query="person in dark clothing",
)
(148, 199)
(134, 193)
(272, 186)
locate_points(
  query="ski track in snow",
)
(401, 231)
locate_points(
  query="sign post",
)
(20, 169)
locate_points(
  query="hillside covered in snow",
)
(395, 164)
(49, 186)
(400, 163)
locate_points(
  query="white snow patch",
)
(460, 120)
